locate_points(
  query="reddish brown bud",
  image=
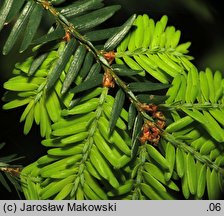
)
(159, 115)
(148, 107)
(67, 36)
(109, 56)
(150, 133)
(108, 80)
(161, 124)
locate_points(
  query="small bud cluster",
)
(108, 80)
(151, 130)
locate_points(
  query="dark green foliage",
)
(61, 63)
(93, 19)
(146, 86)
(116, 109)
(118, 36)
(80, 7)
(4, 12)
(88, 84)
(19, 26)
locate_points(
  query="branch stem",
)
(190, 150)
(69, 27)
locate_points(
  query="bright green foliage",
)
(83, 152)
(198, 122)
(92, 134)
(42, 107)
(153, 46)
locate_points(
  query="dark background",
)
(200, 22)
